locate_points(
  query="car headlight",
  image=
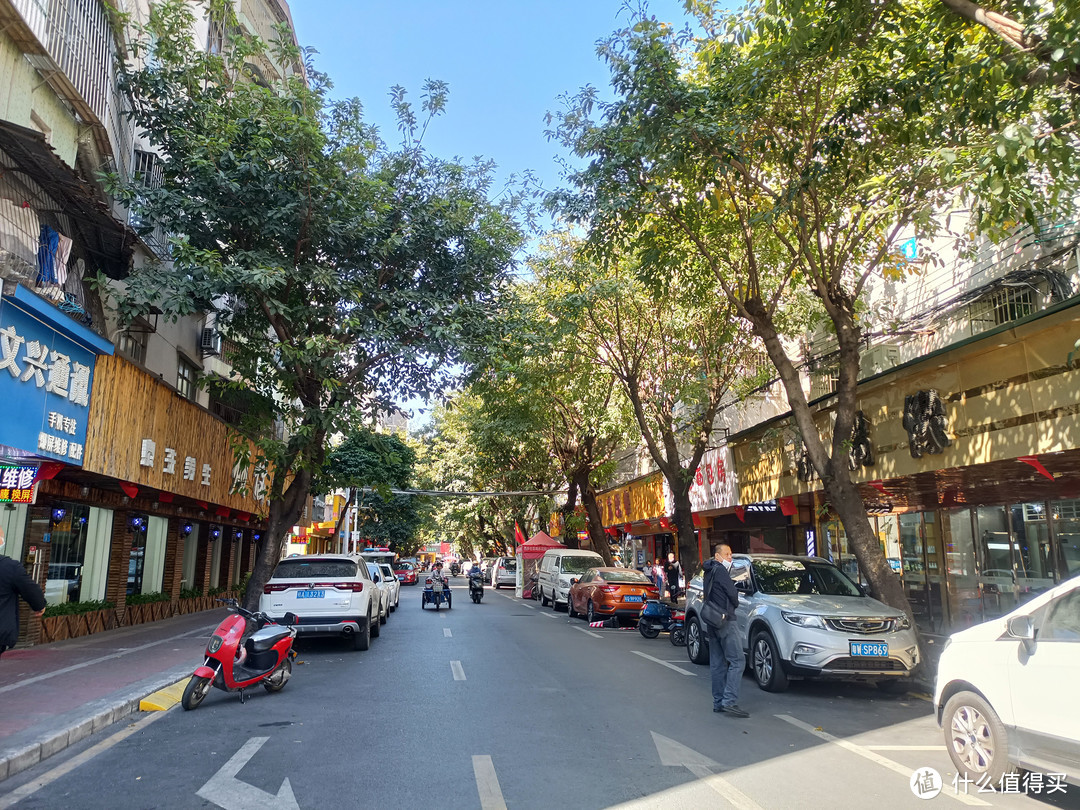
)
(902, 623)
(803, 620)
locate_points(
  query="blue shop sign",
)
(46, 375)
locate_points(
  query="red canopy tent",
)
(539, 543)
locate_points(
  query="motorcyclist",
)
(437, 574)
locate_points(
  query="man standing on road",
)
(725, 650)
(674, 576)
(15, 582)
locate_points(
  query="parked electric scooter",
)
(658, 617)
(476, 586)
(246, 649)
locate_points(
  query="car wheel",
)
(976, 738)
(543, 599)
(697, 647)
(384, 617)
(570, 607)
(554, 604)
(590, 612)
(376, 627)
(196, 690)
(766, 663)
(362, 638)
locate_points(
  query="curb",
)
(27, 749)
(164, 699)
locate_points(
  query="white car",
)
(392, 584)
(379, 579)
(332, 594)
(1003, 686)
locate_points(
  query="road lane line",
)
(446, 632)
(905, 748)
(664, 663)
(588, 632)
(530, 607)
(864, 752)
(50, 776)
(459, 673)
(735, 797)
(549, 615)
(487, 784)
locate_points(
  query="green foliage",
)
(146, 598)
(370, 464)
(216, 590)
(190, 593)
(75, 608)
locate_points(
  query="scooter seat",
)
(264, 639)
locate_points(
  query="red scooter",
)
(246, 649)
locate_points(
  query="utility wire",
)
(443, 493)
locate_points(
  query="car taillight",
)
(610, 588)
(274, 588)
(343, 586)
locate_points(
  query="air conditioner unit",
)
(211, 342)
(879, 358)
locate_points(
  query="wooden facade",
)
(142, 431)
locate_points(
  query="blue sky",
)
(506, 61)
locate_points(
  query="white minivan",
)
(557, 568)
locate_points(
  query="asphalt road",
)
(507, 704)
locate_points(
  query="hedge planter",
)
(195, 604)
(59, 628)
(147, 612)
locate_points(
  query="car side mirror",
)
(573, 580)
(1023, 628)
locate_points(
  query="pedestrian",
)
(15, 582)
(658, 576)
(673, 572)
(726, 658)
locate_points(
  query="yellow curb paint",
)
(163, 699)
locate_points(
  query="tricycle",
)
(657, 617)
(436, 592)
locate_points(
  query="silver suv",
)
(801, 617)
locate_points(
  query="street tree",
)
(347, 274)
(369, 466)
(785, 155)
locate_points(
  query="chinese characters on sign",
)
(148, 453)
(925, 423)
(17, 484)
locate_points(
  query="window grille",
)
(133, 346)
(147, 169)
(185, 378)
(1003, 306)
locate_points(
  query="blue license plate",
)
(869, 649)
(310, 594)
(631, 598)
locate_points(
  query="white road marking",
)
(866, 753)
(459, 673)
(446, 632)
(664, 663)
(549, 615)
(225, 790)
(905, 748)
(487, 784)
(27, 681)
(676, 754)
(52, 775)
(588, 632)
(530, 607)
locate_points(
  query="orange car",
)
(603, 592)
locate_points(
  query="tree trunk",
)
(689, 555)
(595, 522)
(569, 533)
(284, 512)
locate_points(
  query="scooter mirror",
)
(292, 618)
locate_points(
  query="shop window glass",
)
(67, 540)
(964, 597)
(888, 532)
(994, 551)
(1034, 564)
(1066, 517)
(913, 567)
(137, 558)
(840, 552)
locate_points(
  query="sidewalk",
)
(54, 695)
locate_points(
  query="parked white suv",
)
(1003, 686)
(332, 594)
(801, 617)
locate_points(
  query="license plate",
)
(401, 578)
(310, 594)
(869, 649)
(631, 598)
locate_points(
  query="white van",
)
(557, 568)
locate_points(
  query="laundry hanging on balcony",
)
(53, 251)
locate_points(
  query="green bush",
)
(74, 608)
(190, 593)
(216, 590)
(147, 598)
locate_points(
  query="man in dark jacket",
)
(15, 582)
(726, 657)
